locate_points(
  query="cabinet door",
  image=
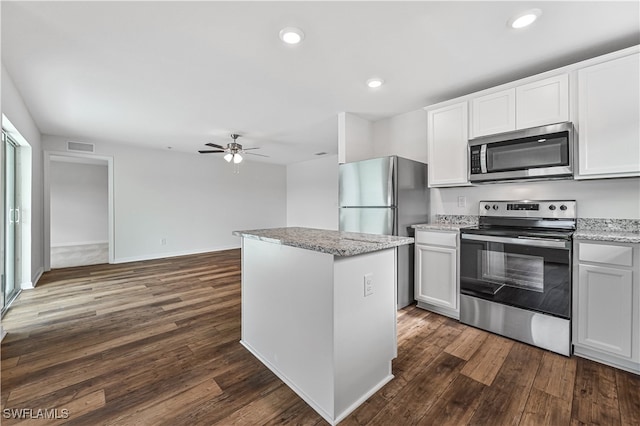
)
(447, 145)
(543, 102)
(609, 119)
(493, 113)
(436, 279)
(605, 309)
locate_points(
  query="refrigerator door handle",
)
(390, 187)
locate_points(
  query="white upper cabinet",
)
(543, 102)
(534, 104)
(609, 119)
(447, 140)
(493, 113)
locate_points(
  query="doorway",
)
(78, 204)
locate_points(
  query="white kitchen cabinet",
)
(493, 113)
(542, 102)
(447, 140)
(529, 105)
(609, 119)
(606, 317)
(436, 269)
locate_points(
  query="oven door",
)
(525, 272)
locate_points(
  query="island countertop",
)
(337, 243)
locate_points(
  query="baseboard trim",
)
(172, 254)
(80, 243)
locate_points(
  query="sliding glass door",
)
(10, 220)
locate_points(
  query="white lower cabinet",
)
(436, 269)
(606, 301)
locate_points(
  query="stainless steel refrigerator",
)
(386, 196)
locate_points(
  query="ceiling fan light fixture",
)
(237, 158)
(228, 157)
(524, 19)
(291, 35)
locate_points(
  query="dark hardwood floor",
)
(156, 342)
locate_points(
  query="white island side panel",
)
(364, 327)
(287, 317)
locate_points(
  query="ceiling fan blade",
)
(210, 152)
(252, 153)
(247, 149)
(214, 145)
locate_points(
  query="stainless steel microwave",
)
(544, 152)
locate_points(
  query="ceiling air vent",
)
(79, 146)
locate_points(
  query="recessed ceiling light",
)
(291, 35)
(524, 19)
(375, 82)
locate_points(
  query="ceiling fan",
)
(234, 150)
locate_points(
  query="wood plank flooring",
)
(157, 342)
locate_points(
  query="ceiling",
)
(180, 74)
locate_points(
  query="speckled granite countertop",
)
(439, 226)
(596, 229)
(337, 243)
(613, 236)
(614, 230)
(448, 223)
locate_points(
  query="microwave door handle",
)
(483, 158)
(533, 242)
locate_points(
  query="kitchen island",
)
(319, 310)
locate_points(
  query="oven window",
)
(512, 269)
(520, 275)
(519, 155)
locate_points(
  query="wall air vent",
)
(79, 146)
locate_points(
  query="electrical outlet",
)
(368, 285)
(462, 201)
(163, 242)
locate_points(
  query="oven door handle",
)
(526, 241)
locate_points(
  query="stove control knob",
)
(487, 207)
(495, 207)
(552, 207)
(563, 207)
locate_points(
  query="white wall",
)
(79, 203)
(355, 138)
(312, 193)
(601, 198)
(193, 202)
(14, 108)
(404, 135)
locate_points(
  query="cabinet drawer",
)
(603, 253)
(447, 239)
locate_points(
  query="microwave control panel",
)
(476, 167)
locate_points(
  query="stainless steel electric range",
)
(515, 271)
